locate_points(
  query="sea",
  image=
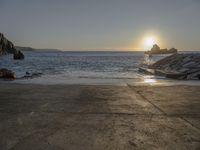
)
(84, 67)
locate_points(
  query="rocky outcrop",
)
(156, 50)
(179, 66)
(18, 55)
(7, 74)
(7, 47)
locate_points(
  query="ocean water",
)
(81, 68)
(76, 64)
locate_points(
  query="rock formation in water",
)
(7, 47)
(156, 50)
(18, 55)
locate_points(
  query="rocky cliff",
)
(6, 46)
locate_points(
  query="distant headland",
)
(30, 49)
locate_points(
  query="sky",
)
(101, 24)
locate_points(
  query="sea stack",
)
(18, 55)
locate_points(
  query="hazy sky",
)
(101, 24)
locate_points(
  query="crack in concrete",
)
(162, 111)
(143, 97)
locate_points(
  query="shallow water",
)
(119, 68)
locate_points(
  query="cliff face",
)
(6, 46)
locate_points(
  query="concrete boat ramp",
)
(75, 117)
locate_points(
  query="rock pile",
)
(182, 66)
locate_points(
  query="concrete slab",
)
(72, 117)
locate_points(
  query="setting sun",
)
(149, 42)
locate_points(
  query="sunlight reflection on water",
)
(150, 81)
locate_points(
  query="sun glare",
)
(149, 42)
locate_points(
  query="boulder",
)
(7, 74)
(18, 55)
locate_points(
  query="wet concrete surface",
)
(75, 117)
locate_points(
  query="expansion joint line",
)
(148, 100)
(164, 113)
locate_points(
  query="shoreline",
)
(142, 81)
